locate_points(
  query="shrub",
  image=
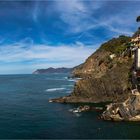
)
(116, 45)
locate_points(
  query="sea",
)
(26, 113)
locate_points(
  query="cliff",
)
(53, 70)
(106, 74)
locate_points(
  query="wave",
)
(67, 85)
(65, 77)
(72, 80)
(54, 89)
(58, 78)
(75, 113)
(69, 91)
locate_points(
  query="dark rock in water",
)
(129, 110)
(53, 70)
(71, 99)
(85, 108)
(81, 109)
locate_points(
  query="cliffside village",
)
(129, 110)
(136, 40)
(135, 44)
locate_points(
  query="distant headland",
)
(53, 70)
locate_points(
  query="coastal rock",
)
(81, 109)
(72, 99)
(129, 110)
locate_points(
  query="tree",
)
(138, 19)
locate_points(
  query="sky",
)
(37, 34)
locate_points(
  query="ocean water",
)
(26, 113)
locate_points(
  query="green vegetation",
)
(138, 19)
(137, 32)
(116, 45)
(108, 59)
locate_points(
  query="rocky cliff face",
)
(105, 74)
(95, 65)
(112, 85)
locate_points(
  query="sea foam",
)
(54, 89)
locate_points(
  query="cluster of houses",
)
(135, 43)
(136, 39)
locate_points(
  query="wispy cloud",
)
(76, 14)
(36, 11)
(82, 16)
(43, 56)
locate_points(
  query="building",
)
(136, 39)
(112, 56)
(137, 60)
(135, 44)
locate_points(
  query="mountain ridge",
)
(53, 70)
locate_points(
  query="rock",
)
(85, 108)
(72, 99)
(81, 109)
(129, 110)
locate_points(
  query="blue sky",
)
(56, 33)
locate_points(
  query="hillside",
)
(105, 74)
(100, 61)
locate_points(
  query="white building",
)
(136, 39)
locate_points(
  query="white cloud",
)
(20, 56)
